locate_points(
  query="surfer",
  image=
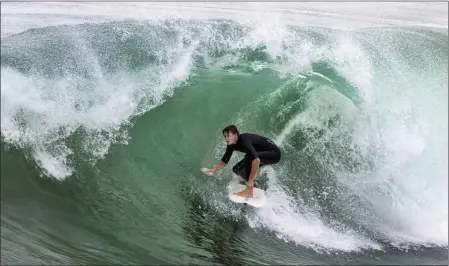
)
(259, 151)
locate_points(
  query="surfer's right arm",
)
(216, 168)
(222, 163)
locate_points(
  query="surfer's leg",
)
(269, 157)
(241, 169)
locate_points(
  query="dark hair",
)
(230, 128)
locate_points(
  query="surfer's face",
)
(230, 138)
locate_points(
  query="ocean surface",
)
(110, 110)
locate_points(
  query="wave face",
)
(105, 126)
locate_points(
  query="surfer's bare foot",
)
(247, 192)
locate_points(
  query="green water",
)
(103, 136)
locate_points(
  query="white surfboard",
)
(258, 200)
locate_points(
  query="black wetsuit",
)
(254, 146)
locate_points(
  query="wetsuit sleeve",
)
(250, 148)
(227, 156)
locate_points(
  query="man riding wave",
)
(259, 151)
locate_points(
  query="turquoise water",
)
(106, 125)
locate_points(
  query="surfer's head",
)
(231, 134)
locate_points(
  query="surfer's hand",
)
(207, 171)
(250, 184)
